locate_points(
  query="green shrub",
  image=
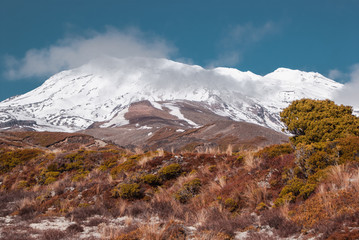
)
(50, 180)
(318, 176)
(310, 159)
(151, 179)
(189, 190)
(81, 175)
(262, 206)
(307, 190)
(315, 121)
(317, 161)
(347, 149)
(11, 158)
(108, 164)
(48, 177)
(289, 197)
(240, 158)
(212, 168)
(129, 191)
(123, 167)
(274, 151)
(52, 174)
(231, 204)
(22, 184)
(171, 171)
(52, 167)
(74, 157)
(297, 188)
(290, 192)
(74, 165)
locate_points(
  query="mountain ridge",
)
(104, 89)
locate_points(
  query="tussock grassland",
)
(115, 193)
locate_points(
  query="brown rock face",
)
(152, 128)
(191, 126)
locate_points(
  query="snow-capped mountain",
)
(103, 90)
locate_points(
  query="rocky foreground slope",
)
(72, 186)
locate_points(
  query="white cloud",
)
(237, 39)
(250, 34)
(226, 59)
(76, 51)
(335, 74)
(349, 94)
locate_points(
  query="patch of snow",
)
(156, 105)
(59, 223)
(118, 120)
(145, 127)
(241, 235)
(180, 130)
(176, 111)
(7, 220)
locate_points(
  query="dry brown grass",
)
(255, 194)
(144, 160)
(225, 178)
(229, 150)
(220, 180)
(122, 206)
(138, 151)
(109, 232)
(161, 231)
(250, 161)
(340, 177)
(207, 197)
(160, 152)
(355, 180)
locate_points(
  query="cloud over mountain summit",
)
(77, 50)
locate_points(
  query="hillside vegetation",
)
(303, 189)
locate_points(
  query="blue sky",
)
(41, 37)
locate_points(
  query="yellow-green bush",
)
(108, 164)
(171, 171)
(50, 180)
(296, 188)
(231, 204)
(52, 167)
(261, 206)
(317, 161)
(315, 121)
(78, 164)
(313, 158)
(306, 190)
(347, 149)
(81, 175)
(22, 184)
(11, 158)
(275, 151)
(74, 157)
(189, 190)
(151, 179)
(46, 177)
(291, 190)
(123, 167)
(129, 191)
(212, 168)
(52, 174)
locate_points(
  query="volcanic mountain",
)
(155, 102)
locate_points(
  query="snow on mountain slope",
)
(102, 91)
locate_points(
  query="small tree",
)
(318, 121)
